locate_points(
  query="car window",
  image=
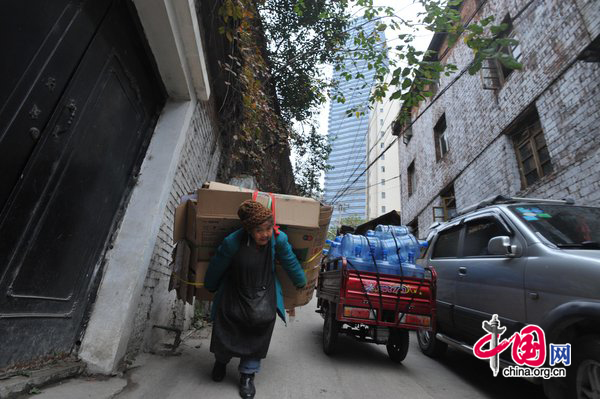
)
(567, 226)
(478, 233)
(446, 245)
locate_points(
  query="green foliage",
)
(353, 221)
(303, 35)
(313, 152)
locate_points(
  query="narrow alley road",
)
(297, 368)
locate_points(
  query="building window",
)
(414, 227)
(494, 72)
(383, 156)
(381, 122)
(439, 134)
(383, 182)
(381, 110)
(383, 209)
(383, 168)
(382, 133)
(532, 151)
(381, 145)
(412, 181)
(447, 210)
(383, 195)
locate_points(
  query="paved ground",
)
(296, 368)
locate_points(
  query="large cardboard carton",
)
(206, 253)
(203, 225)
(185, 227)
(224, 200)
(201, 292)
(293, 296)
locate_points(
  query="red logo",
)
(528, 345)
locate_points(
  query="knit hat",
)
(253, 214)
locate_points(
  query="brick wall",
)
(199, 163)
(481, 160)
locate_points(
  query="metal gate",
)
(79, 98)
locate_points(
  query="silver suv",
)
(529, 261)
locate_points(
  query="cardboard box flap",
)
(219, 203)
(213, 185)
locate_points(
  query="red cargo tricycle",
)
(373, 307)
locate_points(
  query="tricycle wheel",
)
(330, 330)
(397, 346)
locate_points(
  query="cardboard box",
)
(305, 294)
(293, 296)
(184, 226)
(211, 230)
(289, 210)
(308, 243)
(201, 292)
(181, 269)
(206, 253)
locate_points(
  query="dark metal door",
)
(78, 102)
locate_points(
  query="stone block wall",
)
(199, 163)
(481, 160)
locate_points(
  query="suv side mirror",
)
(501, 246)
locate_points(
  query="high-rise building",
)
(347, 136)
(383, 179)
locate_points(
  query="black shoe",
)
(219, 371)
(247, 389)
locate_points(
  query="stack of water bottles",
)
(387, 250)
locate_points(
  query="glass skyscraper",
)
(347, 136)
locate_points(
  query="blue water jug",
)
(398, 231)
(354, 246)
(412, 270)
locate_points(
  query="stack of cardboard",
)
(201, 226)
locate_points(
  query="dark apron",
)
(246, 315)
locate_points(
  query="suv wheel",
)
(585, 380)
(430, 345)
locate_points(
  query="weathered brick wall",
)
(481, 160)
(198, 163)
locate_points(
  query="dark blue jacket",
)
(281, 250)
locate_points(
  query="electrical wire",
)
(438, 96)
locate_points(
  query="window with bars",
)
(439, 134)
(412, 181)
(532, 152)
(493, 72)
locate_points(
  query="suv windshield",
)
(566, 226)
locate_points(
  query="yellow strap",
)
(188, 282)
(313, 258)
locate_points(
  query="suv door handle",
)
(534, 295)
(462, 271)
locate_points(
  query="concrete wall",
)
(481, 160)
(199, 162)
